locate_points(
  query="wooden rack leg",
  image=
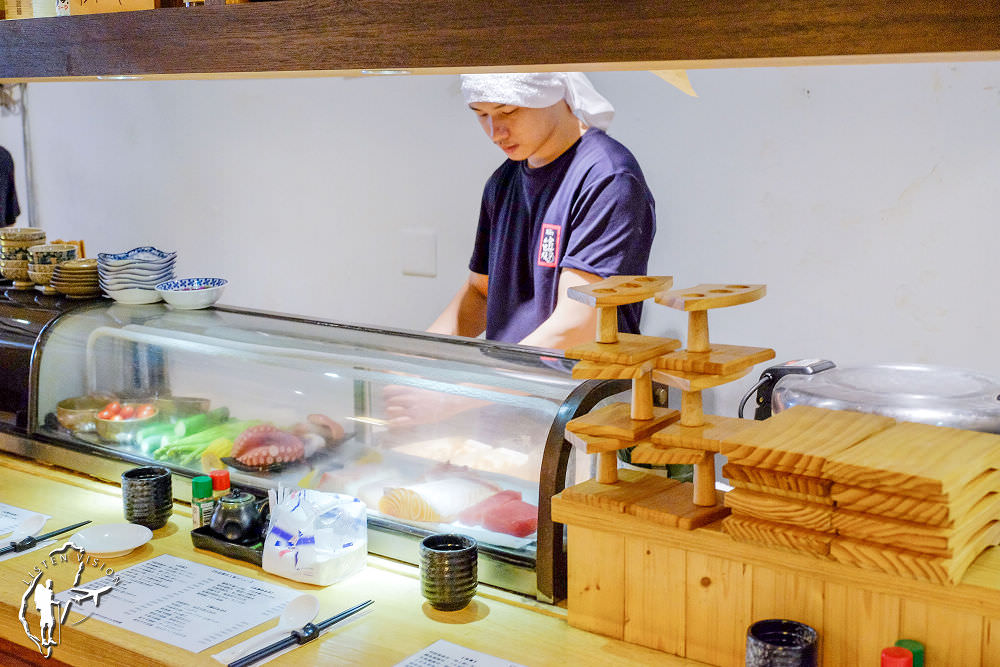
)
(704, 483)
(691, 412)
(698, 331)
(642, 397)
(607, 467)
(607, 324)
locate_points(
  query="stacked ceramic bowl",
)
(14, 257)
(76, 278)
(44, 260)
(132, 277)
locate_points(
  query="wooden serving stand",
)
(835, 522)
(657, 435)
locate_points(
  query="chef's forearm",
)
(466, 314)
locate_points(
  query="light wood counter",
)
(401, 623)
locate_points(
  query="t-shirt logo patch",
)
(548, 245)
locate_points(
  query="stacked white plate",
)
(132, 276)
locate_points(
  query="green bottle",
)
(916, 648)
(202, 502)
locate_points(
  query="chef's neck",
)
(564, 135)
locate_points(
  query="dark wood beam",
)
(419, 35)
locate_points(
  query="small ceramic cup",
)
(52, 253)
(147, 496)
(777, 642)
(449, 570)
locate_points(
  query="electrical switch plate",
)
(419, 252)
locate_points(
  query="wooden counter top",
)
(401, 623)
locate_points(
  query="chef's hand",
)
(409, 406)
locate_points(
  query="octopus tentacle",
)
(266, 444)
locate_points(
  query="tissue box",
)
(315, 537)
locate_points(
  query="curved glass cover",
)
(432, 432)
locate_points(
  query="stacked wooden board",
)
(911, 499)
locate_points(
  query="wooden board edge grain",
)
(435, 34)
(781, 509)
(770, 479)
(979, 595)
(784, 493)
(769, 533)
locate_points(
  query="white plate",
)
(136, 275)
(111, 540)
(126, 284)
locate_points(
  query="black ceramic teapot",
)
(238, 516)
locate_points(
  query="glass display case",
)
(433, 433)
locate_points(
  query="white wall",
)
(865, 197)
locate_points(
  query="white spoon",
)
(29, 527)
(299, 611)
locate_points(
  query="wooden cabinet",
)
(435, 36)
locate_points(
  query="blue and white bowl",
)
(192, 293)
(145, 255)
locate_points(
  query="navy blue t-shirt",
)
(589, 209)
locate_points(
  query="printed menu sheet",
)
(445, 654)
(11, 517)
(185, 604)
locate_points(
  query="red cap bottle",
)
(220, 483)
(896, 656)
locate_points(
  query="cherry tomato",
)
(127, 412)
(113, 407)
(144, 410)
(116, 418)
(105, 414)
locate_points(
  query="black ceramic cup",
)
(776, 642)
(147, 496)
(448, 570)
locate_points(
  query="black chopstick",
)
(30, 541)
(309, 632)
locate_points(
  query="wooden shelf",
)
(433, 36)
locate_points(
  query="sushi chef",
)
(569, 206)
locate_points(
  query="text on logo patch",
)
(548, 245)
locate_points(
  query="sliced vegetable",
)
(154, 429)
(195, 444)
(210, 462)
(199, 422)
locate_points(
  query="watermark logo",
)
(57, 572)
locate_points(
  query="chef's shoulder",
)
(601, 158)
(500, 178)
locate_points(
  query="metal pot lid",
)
(937, 395)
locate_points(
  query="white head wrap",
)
(541, 90)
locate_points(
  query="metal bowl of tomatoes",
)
(118, 422)
(79, 412)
